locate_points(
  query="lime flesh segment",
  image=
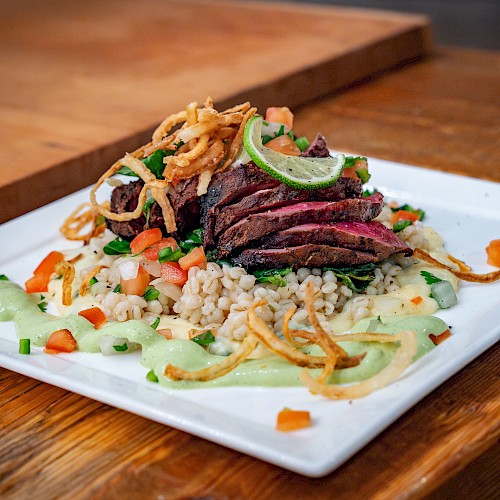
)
(295, 171)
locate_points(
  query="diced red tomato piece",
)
(94, 315)
(437, 339)
(291, 420)
(172, 272)
(145, 239)
(137, 285)
(403, 215)
(280, 115)
(41, 276)
(417, 300)
(151, 253)
(60, 341)
(350, 172)
(194, 258)
(284, 144)
(493, 252)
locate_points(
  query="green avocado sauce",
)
(157, 352)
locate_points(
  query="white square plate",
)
(464, 211)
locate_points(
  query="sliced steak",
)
(186, 204)
(283, 195)
(317, 148)
(124, 198)
(372, 237)
(228, 187)
(258, 225)
(302, 256)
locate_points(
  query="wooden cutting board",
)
(84, 81)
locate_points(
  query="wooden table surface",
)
(440, 113)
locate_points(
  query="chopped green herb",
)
(117, 289)
(400, 225)
(4, 278)
(430, 278)
(151, 376)
(42, 306)
(93, 281)
(273, 276)
(117, 246)
(151, 294)
(266, 138)
(357, 278)
(156, 323)
(193, 239)
(204, 338)
(408, 208)
(153, 162)
(121, 348)
(146, 210)
(379, 319)
(24, 346)
(291, 135)
(303, 143)
(168, 255)
(369, 192)
(350, 161)
(363, 174)
(281, 131)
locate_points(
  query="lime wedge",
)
(295, 171)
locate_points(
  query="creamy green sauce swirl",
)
(157, 352)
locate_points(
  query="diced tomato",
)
(151, 253)
(48, 264)
(350, 172)
(291, 420)
(280, 115)
(437, 339)
(145, 239)
(194, 258)
(41, 276)
(172, 272)
(493, 251)
(284, 144)
(94, 315)
(403, 215)
(417, 300)
(137, 285)
(60, 341)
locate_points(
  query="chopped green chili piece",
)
(156, 323)
(121, 348)
(266, 138)
(117, 289)
(204, 338)
(24, 346)
(151, 376)
(400, 225)
(117, 247)
(351, 160)
(303, 143)
(93, 281)
(151, 293)
(363, 174)
(168, 255)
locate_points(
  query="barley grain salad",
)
(233, 251)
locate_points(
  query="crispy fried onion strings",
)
(83, 215)
(68, 273)
(203, 141)
(463, 275)
(402, 359)
(85, 286)
(218, 370)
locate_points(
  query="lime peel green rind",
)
(295, 171)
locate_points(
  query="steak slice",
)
(372, 237)
(227, 187)
(302, 256)
(124, 198)
(317, 148)
(283, 195)
(183, 198)
(258, 225)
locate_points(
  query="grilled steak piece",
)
(283, 195)
(258, 225)
(372, 237)
(317, 148)
(302, 256)
(227, 187)
(183, 198)
(124, 198)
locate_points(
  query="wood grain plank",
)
(83, 81)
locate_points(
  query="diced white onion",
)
(129, 269)
(272, 128)
(168, 289)
(107, 343)
(153, 267)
